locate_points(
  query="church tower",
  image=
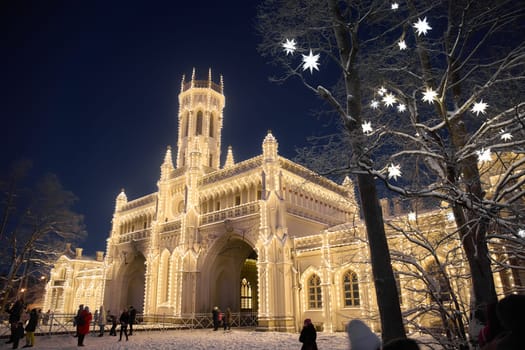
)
(200, 123)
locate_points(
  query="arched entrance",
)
(133, 283)
(233, 277)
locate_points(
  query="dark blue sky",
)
(89, 91)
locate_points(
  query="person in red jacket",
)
(84, 320)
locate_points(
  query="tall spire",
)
(182, 83)
(229, 159)
(167, 166)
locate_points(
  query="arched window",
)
(440, 288)
(315, 296)
(246, 295)
(186, 125)
(211, 126)
(164, 277)
(198, 128)
(351, 289)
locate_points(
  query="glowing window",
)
(315, 297)
(198, 129)
(351, 289)
(246, 294)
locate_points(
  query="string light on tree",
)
(484, 155)
(422, 26)
(394, 171)
(290, 46)
(367, 127)
(429, 95)
(411, 216)
(479, 107)
(389, 100)
(505, 136)
(311, 62)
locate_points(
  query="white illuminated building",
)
(264, 235)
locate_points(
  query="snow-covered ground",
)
(204, 339)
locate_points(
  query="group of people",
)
(83, 319)
(503, 330)
(18, 329)
(219, 317)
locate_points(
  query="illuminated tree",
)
(432, 89)
(36, 223)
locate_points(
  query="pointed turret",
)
(122, 199)
(229, 158)
(270, 146)
(167, 166)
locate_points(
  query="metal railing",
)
(62, 323)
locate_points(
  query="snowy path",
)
(202, 339)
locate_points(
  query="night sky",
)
(89, 92)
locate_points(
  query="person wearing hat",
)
(308, 336)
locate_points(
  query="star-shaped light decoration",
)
(381, 91)
(374, 104)
(394, 6)
(422, 26)
(394, 171)
(367, 127)
(429, 95)
(310, 62)
(289, 46)
(484, 155)
(451, 217)
(479, 107)
(505, 136)
(389, 100)
(412, 216)
(401, 108)
(402, 45)
(521, 233)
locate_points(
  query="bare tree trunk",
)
(384, 280)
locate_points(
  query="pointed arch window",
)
(315, 296)
(211, 126)
(246, 295)
(198, 128)
(351, 289)
(186, 125)
(164, 276)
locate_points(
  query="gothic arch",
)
(220, 272)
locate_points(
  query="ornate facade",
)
(264, 235)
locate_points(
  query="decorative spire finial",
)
(182, 83)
